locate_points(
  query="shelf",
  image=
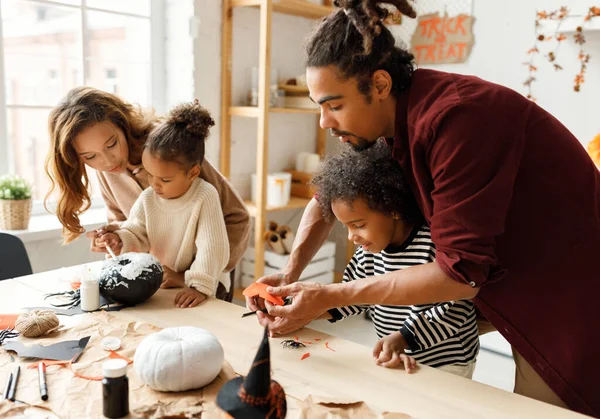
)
(293, 88)
(253, 111)
(299, 8)
(294, 203)
(314, 111)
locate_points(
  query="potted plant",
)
(15, 203)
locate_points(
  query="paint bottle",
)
(115, 389)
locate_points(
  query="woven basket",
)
(15, 214)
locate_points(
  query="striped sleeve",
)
(355, 270)
(427, 328)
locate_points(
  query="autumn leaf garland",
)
(558, 15)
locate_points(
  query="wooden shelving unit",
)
(294, 203)
(302, 9)
(254, 111)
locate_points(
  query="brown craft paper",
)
(9, 409)
(73, 397)
(316, 407)
(442, 39)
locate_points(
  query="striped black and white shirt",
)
(437, 334)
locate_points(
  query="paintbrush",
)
(110, 251)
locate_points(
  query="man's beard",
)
(362, 143)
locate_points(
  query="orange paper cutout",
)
(116, 355)
(69, 364)
(259, 289)
(8, 321)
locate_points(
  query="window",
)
(50, 46)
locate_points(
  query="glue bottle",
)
(115, 389)
(90, 293)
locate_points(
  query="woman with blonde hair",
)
(94, 128)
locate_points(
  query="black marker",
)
(42, 381)
(15, 382)
(264, 310)
(7, 388)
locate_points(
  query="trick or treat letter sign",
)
(442, 40)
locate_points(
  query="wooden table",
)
(349, 372)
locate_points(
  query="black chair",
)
(14, 261)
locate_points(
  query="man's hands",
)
(275, 280)
(309, 302)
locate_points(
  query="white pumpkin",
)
(178, 359)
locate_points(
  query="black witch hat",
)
(255, 396)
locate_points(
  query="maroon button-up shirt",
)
(513, 202)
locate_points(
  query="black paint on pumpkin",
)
(130, 278)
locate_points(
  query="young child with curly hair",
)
(367, 192)
(179, 218)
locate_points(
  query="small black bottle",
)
(115, 389)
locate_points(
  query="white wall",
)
(504, 32)
(179, 51)
(49, 254)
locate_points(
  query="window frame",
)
(157, 78)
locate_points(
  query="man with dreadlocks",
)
(497, 178)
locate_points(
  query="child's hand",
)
(111, 240)
(172, 279)
(389, 352)
(189, 298)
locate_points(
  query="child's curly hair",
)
(181, 136)
(373, 175)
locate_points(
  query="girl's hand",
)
(189, 298)
(172, 279)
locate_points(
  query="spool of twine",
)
(37, 323)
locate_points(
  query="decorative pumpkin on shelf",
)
(130, 278)
(178, 359)
(255, 396)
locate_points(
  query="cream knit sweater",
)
(186, 234)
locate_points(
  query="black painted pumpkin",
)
(130, 278)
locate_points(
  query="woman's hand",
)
(111, 240)
(97, 245)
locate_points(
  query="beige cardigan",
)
(186, 234)
(120, 192)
